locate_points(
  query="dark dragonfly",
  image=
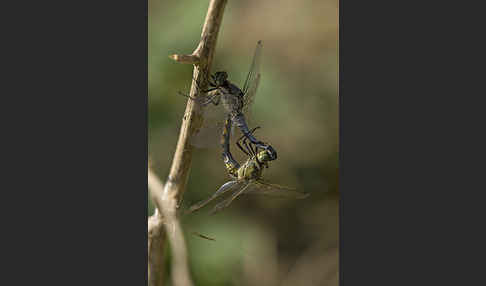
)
(236, 101)
(247, 178)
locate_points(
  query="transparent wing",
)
(250, 97)
(228, 201)
(254, 68)
(253, 79)
(264, 188)
(223, 189)
(209, 132)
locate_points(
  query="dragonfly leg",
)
(200, 89)
(253, 148)
(193, 98)
(198, 86)
(212, 100)
(240, 121)
(212, 83)
(254, 151)
(211, 89)
(213, 78)
(203, 91)
(257, 143)
(251, 132)
(227, 202)
(241, 148)
(245, 150)
(205, 77)
(260, 145)
(248, 147)
(243, 139)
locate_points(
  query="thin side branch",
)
(185, 59)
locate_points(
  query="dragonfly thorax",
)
(253, 167)
(250, 170)
(232, 99)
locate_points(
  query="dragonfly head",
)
(220, 77)
(268, 154)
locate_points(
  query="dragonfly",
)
(235, 101)
(246, 178)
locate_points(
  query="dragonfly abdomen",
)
(230, 163)
(240, 122)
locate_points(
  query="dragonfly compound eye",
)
(272, 153)
(220, 77)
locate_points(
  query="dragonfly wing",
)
(208, 136)
(264, 188)
(211, 128)
(252, 80)
(250, 98)
(202, 98)
(223, 189)
(254, 68)
(228, 201)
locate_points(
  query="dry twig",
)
(156, 235)
(167, 197)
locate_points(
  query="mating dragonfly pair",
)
(246, 178)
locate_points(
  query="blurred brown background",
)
(259, 240)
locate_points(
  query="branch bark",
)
(192, 120)
(167, 197)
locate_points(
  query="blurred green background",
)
(259, 240)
